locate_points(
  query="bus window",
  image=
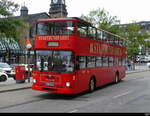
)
(120, 60)
(81, 62)
(90, 61)
(111, 61)
(42, 28)
(104, 37)
(99, 35)
(109, 38)
(98, 61)
(55, 28)
(124, 62)
(105, 61)
(116, 40)
(124, 43)
(54, 61)
(92, 32)
(82, 30)
(121, 42)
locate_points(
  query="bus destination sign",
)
(52, 44)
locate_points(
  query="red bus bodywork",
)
(78, 79)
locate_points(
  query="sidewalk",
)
(138, 69)
(11, 85)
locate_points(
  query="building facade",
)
(145, 27)
(58, 9)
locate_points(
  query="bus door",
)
(81, 73)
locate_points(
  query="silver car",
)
(8, 70)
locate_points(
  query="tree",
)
(10, 27)
(134, 38)
(131, 32)
(7, 8)
(102, 19)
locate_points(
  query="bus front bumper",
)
(53, 89)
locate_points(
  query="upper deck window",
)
(85, 29)
(55, 28)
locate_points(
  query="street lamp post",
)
(28, 46)
(28, 65)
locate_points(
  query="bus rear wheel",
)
(92, 85)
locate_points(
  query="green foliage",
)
(7, 8)
(101, 19)
(131, 32)
(147, 44)
(10, 27)
(134, 38)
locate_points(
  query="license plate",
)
(50, 84)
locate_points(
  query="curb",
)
(139, 71)
(16, 89)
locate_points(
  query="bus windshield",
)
(55, 28)
(54, 61)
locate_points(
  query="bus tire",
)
(117, 77)
(92, 85)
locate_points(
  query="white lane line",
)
(123, 94)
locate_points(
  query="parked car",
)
(144, 60)
(3, 76)
(8, 70)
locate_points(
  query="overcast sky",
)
(125, 10)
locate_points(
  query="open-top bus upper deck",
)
(78, 20)
(77, 35)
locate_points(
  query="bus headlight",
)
(34, 81)
(67, 84)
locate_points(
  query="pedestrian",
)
(129, 65)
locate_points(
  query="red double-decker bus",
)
(72, 56)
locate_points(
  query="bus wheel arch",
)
(92, 84)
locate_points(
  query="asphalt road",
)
(130, 95)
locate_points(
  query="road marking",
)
(123, 94)
(73, 111)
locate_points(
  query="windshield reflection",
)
(54, 61)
